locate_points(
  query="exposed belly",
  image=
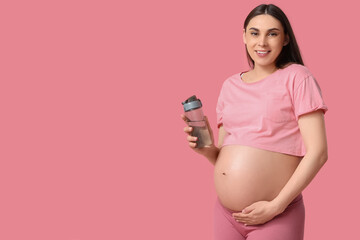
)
(244, 175)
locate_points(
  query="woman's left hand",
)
(257, 213)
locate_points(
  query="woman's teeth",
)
(262, 53)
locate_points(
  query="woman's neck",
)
(264, 70)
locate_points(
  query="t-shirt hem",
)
(294, 153)
(322, 107)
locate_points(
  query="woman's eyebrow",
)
(269, 30)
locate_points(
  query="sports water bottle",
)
(196, 120)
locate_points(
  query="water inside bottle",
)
(203, 135)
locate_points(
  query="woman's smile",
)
(262, 53)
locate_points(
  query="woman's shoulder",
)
(297, 69)
(298, 74)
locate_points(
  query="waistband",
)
(297, 199)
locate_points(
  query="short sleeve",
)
(308, 97)
(219, 109)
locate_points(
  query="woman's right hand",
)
(192, 140)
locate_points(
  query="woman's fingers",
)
(240, 216)
(192, 144)
(188, 129)
(184, 117)
(191, 138)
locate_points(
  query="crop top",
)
(264, 114)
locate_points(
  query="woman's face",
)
(264, 38)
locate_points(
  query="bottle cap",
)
(191, 103)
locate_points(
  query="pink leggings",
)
(289, 225)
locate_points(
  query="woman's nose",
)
(262, 41)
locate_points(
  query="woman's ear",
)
(244, 38)
(287, 40)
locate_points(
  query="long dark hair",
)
(290, 52)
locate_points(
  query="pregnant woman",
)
(272, 139)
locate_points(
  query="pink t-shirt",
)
(264, 114)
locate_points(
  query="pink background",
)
(91, 142)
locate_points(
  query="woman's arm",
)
(312, 128)
(222, 134)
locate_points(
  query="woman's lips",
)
(262, 53)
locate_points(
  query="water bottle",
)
(196, 120)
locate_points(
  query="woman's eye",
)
(254, 33)
(273, 34)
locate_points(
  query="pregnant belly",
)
(244, 175)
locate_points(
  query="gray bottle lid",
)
(191, 103)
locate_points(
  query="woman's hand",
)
(257, 213)
(192, 140)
